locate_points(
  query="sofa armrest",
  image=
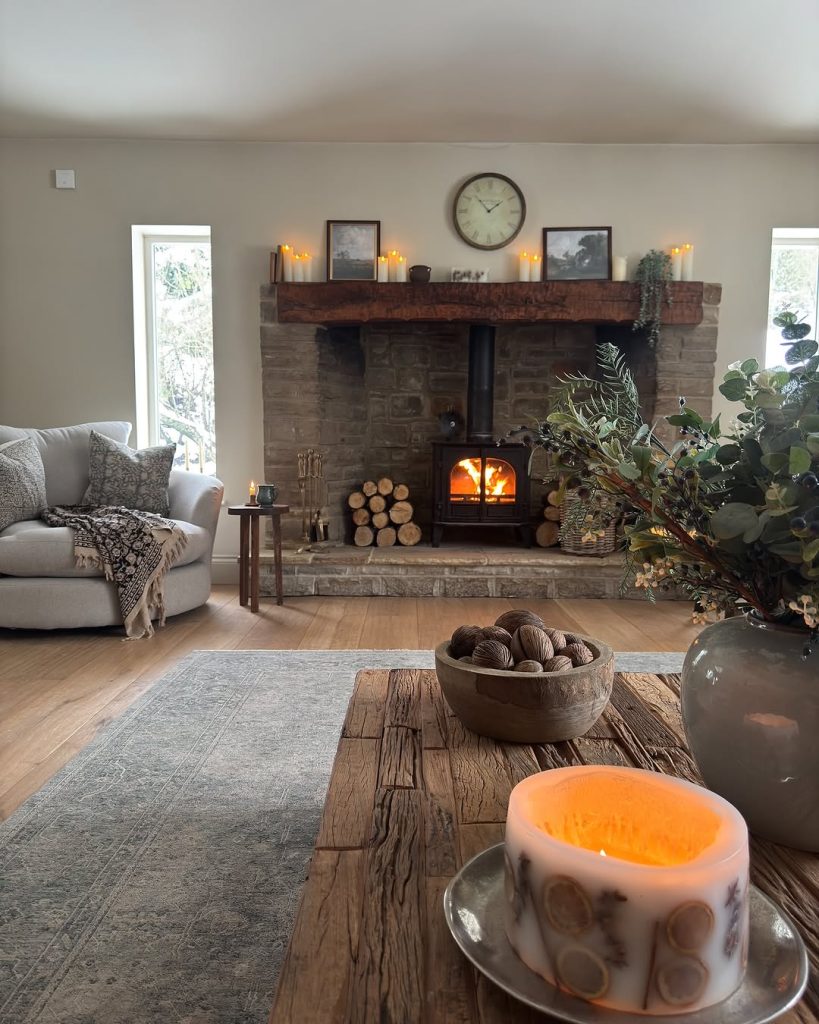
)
(195, 498)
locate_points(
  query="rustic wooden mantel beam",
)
(583, 302)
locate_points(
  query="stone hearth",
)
(453, 570)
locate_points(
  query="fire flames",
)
(498, 481)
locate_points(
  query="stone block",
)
(450, 356)
(412, 586)
(380, 379)
(348, 586)
(408, 354)
(405, 407)
(412, 378)
(452, 383)
(711, 294)
(466, 586)
(538, 588)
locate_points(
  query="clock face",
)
(489, 211)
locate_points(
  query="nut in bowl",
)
(544, 686)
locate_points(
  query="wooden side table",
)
(249, 516)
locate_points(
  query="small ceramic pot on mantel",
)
(750, 702)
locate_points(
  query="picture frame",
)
(467, 275)
(353, 247)
(577, 254)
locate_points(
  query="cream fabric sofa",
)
(41, 588)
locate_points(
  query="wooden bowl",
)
(525, 707)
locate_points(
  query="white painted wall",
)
(66, 346)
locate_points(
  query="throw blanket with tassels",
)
(133, 549)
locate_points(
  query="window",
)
(794, 284)
(173, 342)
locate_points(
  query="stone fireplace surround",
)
(368, 396)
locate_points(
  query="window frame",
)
(790, 238)
(143, 238)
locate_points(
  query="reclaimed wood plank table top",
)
(413, 796)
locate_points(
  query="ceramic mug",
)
(267, 494)
(419, 274)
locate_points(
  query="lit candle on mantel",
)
(306, 266)
(383, 269)
(535, 267)
(619, 268)
(628, 888)
(688, 262)
(287, 263)
(392, 256)
(401, 269)
(676, 263)
(298, 268)
(523, 267)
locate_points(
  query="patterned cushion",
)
(22, 482)
(122, 476)
(65, 455)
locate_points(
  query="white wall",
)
(66, 335)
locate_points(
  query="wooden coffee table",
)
(412, 797)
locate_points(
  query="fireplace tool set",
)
(311, 490)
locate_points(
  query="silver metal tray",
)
(774, 981)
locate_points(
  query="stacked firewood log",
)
(547, 534)
(382, 515)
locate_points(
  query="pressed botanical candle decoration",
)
(628, 888)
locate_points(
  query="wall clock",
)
(489, 211)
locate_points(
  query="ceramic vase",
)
(750, 703)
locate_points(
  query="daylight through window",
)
(175, 380)
(794, 284)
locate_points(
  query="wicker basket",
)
(571, 539)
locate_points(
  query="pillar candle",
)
(627, 888)
(252, 493)
(287, 263)
(392, 256)
(383, 269)
(688, 262)
(676, 263)
(298, 268)
(401, 269)
(307, 266)
(535, 267)
(524, 270)
(618, 269)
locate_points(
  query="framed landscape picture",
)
(352, 250)
(577, 254)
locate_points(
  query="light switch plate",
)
(64, 179)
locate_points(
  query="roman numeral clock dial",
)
(489, 211)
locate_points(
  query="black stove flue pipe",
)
(481, 385)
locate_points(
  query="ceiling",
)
(595, 71)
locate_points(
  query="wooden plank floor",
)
(58, 688)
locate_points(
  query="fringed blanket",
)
(133, 549)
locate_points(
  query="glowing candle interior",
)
(628, 888)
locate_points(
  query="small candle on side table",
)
(251, 500)
(628, 888)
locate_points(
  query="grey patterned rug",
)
(156, 877)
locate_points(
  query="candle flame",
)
(602, 853)
(524, 255)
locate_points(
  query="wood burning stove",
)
(477, 482)
(479, 485)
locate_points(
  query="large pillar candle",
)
(287, 264)
(688, 262)
(628, 888)
(383, 269)
(619, 268)
(676, 263)
(524, 267)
